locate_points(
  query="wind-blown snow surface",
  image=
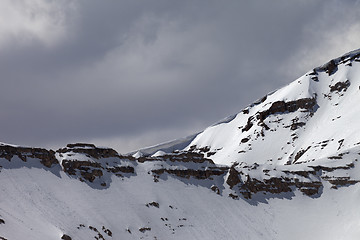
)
(36, 204)
(286, 167)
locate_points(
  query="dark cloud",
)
(132, 73)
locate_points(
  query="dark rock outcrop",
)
(123, 169)
(90, 150)
(340, 86)
(184, 156)
(309, 182)
(282, 107)
(187, 173)
(233, 177)
(46, 157)
(307, 104)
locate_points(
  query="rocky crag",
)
(96, 166)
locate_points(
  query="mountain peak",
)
(291, 119)
(331, 66)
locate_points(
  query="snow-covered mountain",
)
(314, 108)
(285, 167)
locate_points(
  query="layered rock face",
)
(256, 182)
(46, 157)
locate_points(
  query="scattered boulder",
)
(66, 237)
(215, 189)
(144, 229)
(154, 204)
(107, 231)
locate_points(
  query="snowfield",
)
(37, 204)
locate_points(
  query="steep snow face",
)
(311, 118)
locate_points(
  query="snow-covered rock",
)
(285, 167)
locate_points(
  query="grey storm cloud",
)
(127, 74)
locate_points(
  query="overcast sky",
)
(132, 73)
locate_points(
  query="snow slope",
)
(37, 204)
(331, 93)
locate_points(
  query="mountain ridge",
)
(348, 58)
(296, 147)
